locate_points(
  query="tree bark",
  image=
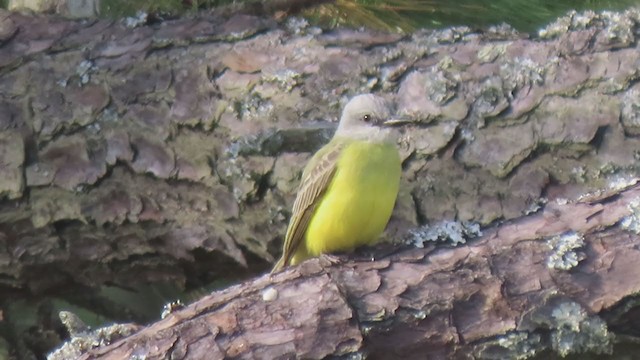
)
(493, 298)
(171, 151)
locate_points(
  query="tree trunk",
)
(172, 151)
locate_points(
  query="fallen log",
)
(563, 279)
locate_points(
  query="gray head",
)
(365, 116)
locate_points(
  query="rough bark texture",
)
(172, 151)
(503, 296)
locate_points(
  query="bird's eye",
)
(366, 118)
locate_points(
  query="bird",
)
(349, 187)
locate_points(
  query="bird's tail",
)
(279, 265)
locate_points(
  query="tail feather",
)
(281, 264)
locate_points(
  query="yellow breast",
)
(358, 203)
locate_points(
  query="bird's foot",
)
(333, 259)
(341, 259)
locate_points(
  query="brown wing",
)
(315, 181)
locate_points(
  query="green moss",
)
(121, 8)
(406, 15)
(395, 15)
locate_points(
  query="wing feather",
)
(315, 181)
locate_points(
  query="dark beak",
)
(396, 122)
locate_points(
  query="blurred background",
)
(396, 15)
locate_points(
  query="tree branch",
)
(493, 297)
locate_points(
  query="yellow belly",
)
(358, 203)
